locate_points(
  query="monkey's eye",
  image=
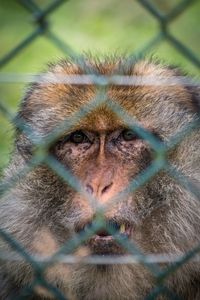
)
(129, 135)
(78, 137)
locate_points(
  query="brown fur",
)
(42, 211)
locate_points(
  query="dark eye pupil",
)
(129, 135)
(77, 137)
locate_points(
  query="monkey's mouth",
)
(103, 242)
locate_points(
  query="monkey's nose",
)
(98, 190)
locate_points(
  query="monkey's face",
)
(105, 162)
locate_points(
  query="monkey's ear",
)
(24, 146)
(22, 143)
(194, 92)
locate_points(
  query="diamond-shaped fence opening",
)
(40, 15)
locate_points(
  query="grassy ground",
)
(104, 26)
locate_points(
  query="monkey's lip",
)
(104, 243)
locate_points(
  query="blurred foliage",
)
(100, 27)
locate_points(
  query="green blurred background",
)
(97, 26)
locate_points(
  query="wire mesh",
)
(154, 262)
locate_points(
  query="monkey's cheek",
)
(41, 291)
(58, 274)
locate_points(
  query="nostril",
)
(106, 188)
(89, 189)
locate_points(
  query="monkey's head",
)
(110, 155)
(103, 149)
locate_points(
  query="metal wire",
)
(41, 27)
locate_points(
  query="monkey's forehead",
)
(105, 108)
(128, 95)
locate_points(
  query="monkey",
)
(100, 142)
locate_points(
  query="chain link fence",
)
(151, 262)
